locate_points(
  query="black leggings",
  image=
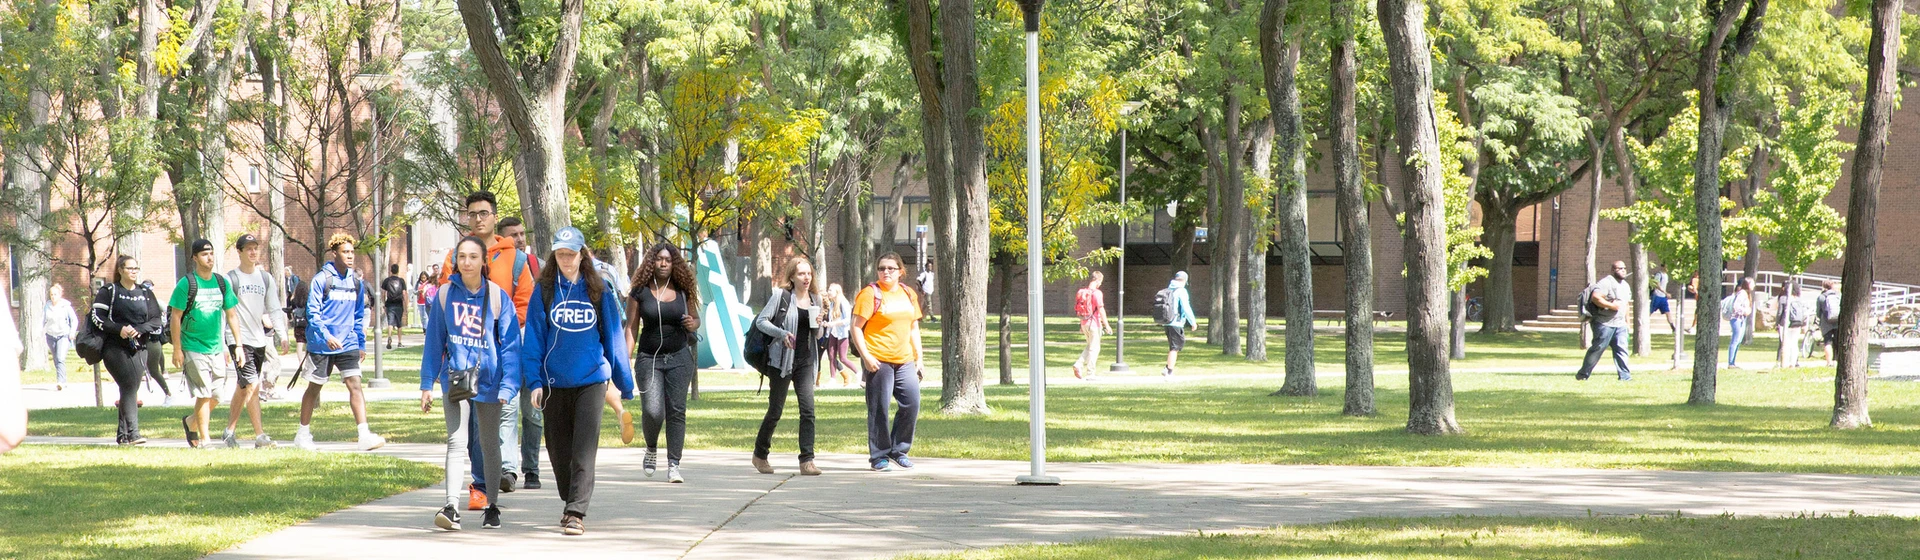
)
(573, 441)
(126, 366)
(157, 366)
(801, 380)
(664, 381)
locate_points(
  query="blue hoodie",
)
(339, 312)
(487, 335)
(575, 345)
(1182, 305)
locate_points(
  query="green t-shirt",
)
(200, 328)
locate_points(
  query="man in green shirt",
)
(202, 303)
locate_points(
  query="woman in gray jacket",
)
(794, 354)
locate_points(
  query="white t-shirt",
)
(260, 305)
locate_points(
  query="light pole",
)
(379, 380)
(1120, 323)
(1036, 310)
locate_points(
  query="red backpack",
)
(1083, 305)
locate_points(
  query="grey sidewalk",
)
(727, 511)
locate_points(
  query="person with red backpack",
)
(1091, 306)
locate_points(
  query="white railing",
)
(1886, 295)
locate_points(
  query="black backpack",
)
(193, 291)
(1163, 311)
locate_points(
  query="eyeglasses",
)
(889, 269)
(131, 269)
(480, 214)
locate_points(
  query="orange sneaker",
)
(476, 500)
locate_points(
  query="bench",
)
(1896, 355)
(1336, 317)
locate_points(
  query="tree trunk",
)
(1280, 60)
(534, 103)
(935, 140)
(1637, 253)
(1876, 121)
(28, 172)
(270, 94)
(1756, 179)
(1410, 60)
(964, 321)
(1008, 269)
(599, 136)
(1183, 247)
(1598, 175)
(1231, 235)
(1715, 111)
(1216, 247)
(1351, 198)
(1497, 225)
(1259, 239)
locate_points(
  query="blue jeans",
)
(1740, 327)
(58, 346)
(510, 448)
(532, 425)
(893, 382)
(1606, 337)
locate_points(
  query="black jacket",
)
(115, 306)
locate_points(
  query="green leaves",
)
(1795, 223)
(1664, 213)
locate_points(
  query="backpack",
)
(1163, 311)
(1796, 313)
(519, 266)
(1587, 308)
(1083, 304)
(755, 351)
(193, 291)
(1828, 310)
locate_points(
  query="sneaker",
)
(193, 438)
(448, 518)
(263, 442)
(903, 463)
(168, 401)
(573, 525)
(476, 499)
(1076, 372)
(138, 440)
(648, 464)
(1166, 372)
(233, 442)
(370, 441)
(673, 474)
(883, 466)
(491, 520)
(304, 440)
(506, 482)
(533, 481)
(807, 469)
(761, 464)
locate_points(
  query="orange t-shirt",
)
(889, 332)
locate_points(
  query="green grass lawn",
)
(1765, 422)
(110, 502)
(1532, 538)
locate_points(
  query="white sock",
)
(364, 430)
(305, 431)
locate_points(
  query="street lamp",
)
(379, 380)
(1036, 310)
(1120, 328)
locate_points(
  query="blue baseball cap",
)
(569, 238)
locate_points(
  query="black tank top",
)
(660, 329)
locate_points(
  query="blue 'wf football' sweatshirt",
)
(467, 329)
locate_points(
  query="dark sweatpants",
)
(892, 382)
(664, 382)
(801, 381)
(127, 367)
(573, 441)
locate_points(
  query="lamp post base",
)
(379, 383)
(1119, 367)
(1030, 480)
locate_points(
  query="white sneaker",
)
(370, 441)
(304, 440)
(673, 474)
(233, 442)
(647, 465)
(168, 401)
(263, 442)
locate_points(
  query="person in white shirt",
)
(261, 308)
(61, 325)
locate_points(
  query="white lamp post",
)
(1036, 312)
(1120, 327)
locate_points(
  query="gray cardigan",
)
(777, 352)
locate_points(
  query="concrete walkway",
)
(728, 511)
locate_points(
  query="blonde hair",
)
(793, 267)
(338, 239)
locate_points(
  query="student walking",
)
(474, 335)
(423, 291)
(928, 282)
(336, 340)
(156, 348)
(511, 268)
(572, 348)
(259, 312)
(1091, 305)
(1791, 320)
(394, 288)
(1739, 315)
(1827, 313)
(1173, 310)
(1602, 305)
(664, 311)
(202, 303)
(127, 313)
(838, 324)
(792, 317)
(886, 324)
(60, 325)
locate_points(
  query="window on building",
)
(1323, 217)
(914, 211)
(253, 179)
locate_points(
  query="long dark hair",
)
(120, 268)
(550, 273)
(680, 277)
(485, 275)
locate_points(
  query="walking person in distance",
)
(1603, 304)
(473, 336)
(127, 314)
(792, 317)
(886, 324)
(1173, 310)
(665, 312)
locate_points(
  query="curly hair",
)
(338, 239)
(680, 277)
